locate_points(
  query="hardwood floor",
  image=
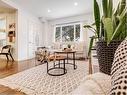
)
(8, 91)
(7, 69)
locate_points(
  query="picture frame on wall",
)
(12, 26)
(11, 32)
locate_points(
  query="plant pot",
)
(105, 55)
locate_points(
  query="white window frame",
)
(3, 31)
(63, 25)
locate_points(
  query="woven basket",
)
(105, 55)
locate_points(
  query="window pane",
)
(57, 35)
(77, 32)
(68, 33)
(2, 24)
(2, 32)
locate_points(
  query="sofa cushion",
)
(79, 46)
(119, 71)
(94, 85)
(56, 46)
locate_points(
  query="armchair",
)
(6, 50)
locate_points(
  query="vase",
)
(105, 54)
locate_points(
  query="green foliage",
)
(97, 17)
(108, 25)
(111, 25)
(91, 44)
(104, 5)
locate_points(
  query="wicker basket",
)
(105, 55)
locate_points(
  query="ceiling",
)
(4, 8)
(58, 8)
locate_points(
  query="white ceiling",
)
(4, 8)
(59, 8)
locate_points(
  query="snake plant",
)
(111, 25)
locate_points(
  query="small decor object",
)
(11, 33)
(12, 26)
(64, 48)
(110, 30)
(69, 46)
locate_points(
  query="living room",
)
(55, 47)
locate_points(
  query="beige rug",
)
(36, 81)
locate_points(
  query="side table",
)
(57, 66)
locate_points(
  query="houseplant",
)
(110, 30)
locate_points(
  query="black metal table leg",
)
(67, 58)
(54, 64)
(64, 66)
(47, 66)
(59, 63)
(74, 60)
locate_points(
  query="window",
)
(67, 33)
(77, 32)
(2, 32)
(57, 35)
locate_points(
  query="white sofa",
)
(95, 84)
(79, 47)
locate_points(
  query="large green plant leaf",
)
(91, 45)
(97, 17)
(102, 34)
(110, 6)
(108, 26)
(90, 28)
(104, 5)
(122, 6)
(117, 32)
(120, 26)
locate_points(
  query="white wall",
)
(23, 17)
(23, 25)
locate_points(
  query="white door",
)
(31, 40)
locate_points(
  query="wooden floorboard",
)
(10, 68)
(8, 91)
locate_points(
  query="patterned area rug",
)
(36, 81)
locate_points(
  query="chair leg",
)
(7, 57)
(11, 57)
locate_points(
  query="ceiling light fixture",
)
(76, 4)
(49, 10)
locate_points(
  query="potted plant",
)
(110, 29)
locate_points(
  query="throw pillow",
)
(119, 71)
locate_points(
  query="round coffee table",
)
(57, 66)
